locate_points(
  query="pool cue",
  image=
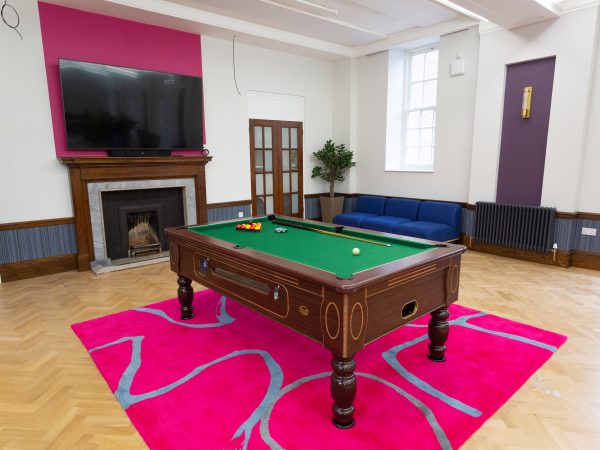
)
(304, 227)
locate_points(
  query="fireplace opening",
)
(142, 234)
(134, 221)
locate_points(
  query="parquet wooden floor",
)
(52, 397)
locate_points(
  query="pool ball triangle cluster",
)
(252, 226)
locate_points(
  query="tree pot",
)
(331, 207)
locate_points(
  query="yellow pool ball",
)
(356, 251)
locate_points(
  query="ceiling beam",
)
(414, 35)
(510, 13)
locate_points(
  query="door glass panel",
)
(258, 160)
(269, 184)
(268, 137)
(285, 138)
(294, 159)
(268, 161)
(285, 158)
(260, 206)
(286, 183)
(260, 190)
(258, 137)
(276, 167)
(294, 137)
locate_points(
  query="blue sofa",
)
(436, 221)
(367, 206)
(396, 212)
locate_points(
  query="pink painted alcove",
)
(72, 34)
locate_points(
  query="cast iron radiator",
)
(525, 227)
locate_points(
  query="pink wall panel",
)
(71, 34)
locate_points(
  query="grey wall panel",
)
(564, 233)
(590, 244)
(350, 204)
(312, 207)
(37, 242)
(468, 221)
(228, 212)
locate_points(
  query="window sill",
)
(410, 170)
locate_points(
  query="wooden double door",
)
(276, 164)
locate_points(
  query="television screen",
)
(110, 107)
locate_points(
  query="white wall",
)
(572, 38)
(371, 124)
(456, 99)
(344, 115)
(345, 100)
(33, 184)
(226, 113)
(589, 187)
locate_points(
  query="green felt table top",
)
(322, 251)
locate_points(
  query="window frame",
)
(406, 110)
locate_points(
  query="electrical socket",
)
(240, 214)
(588, 231)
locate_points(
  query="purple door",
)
(523, 145)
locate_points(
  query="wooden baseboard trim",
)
(586, 260)
(38, 267)
(561, 259)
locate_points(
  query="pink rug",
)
(232, 379)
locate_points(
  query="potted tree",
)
(335, 160)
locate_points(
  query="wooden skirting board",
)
(564, 259)
(55, 264)
(37, 267)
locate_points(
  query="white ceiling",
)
(358, 22)
(326, 28)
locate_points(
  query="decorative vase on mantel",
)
(335, 160)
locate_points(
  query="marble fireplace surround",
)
(95, 191)
(89, 176)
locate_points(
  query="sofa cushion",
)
(353, 219)
(402, 207)
(383, 223)
(433, 231)
(370, 204)
(441, 212)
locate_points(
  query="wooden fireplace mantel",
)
(84, 170)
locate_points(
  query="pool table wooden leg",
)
(185, 294)
(343, 391)
(438, 334)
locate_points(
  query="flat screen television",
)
(123, 109)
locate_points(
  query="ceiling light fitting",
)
(306, 7)
(460, 9)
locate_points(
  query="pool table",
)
(308, 279)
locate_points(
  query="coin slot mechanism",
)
(240, 279)
(203, 265)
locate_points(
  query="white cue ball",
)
(356, 251)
